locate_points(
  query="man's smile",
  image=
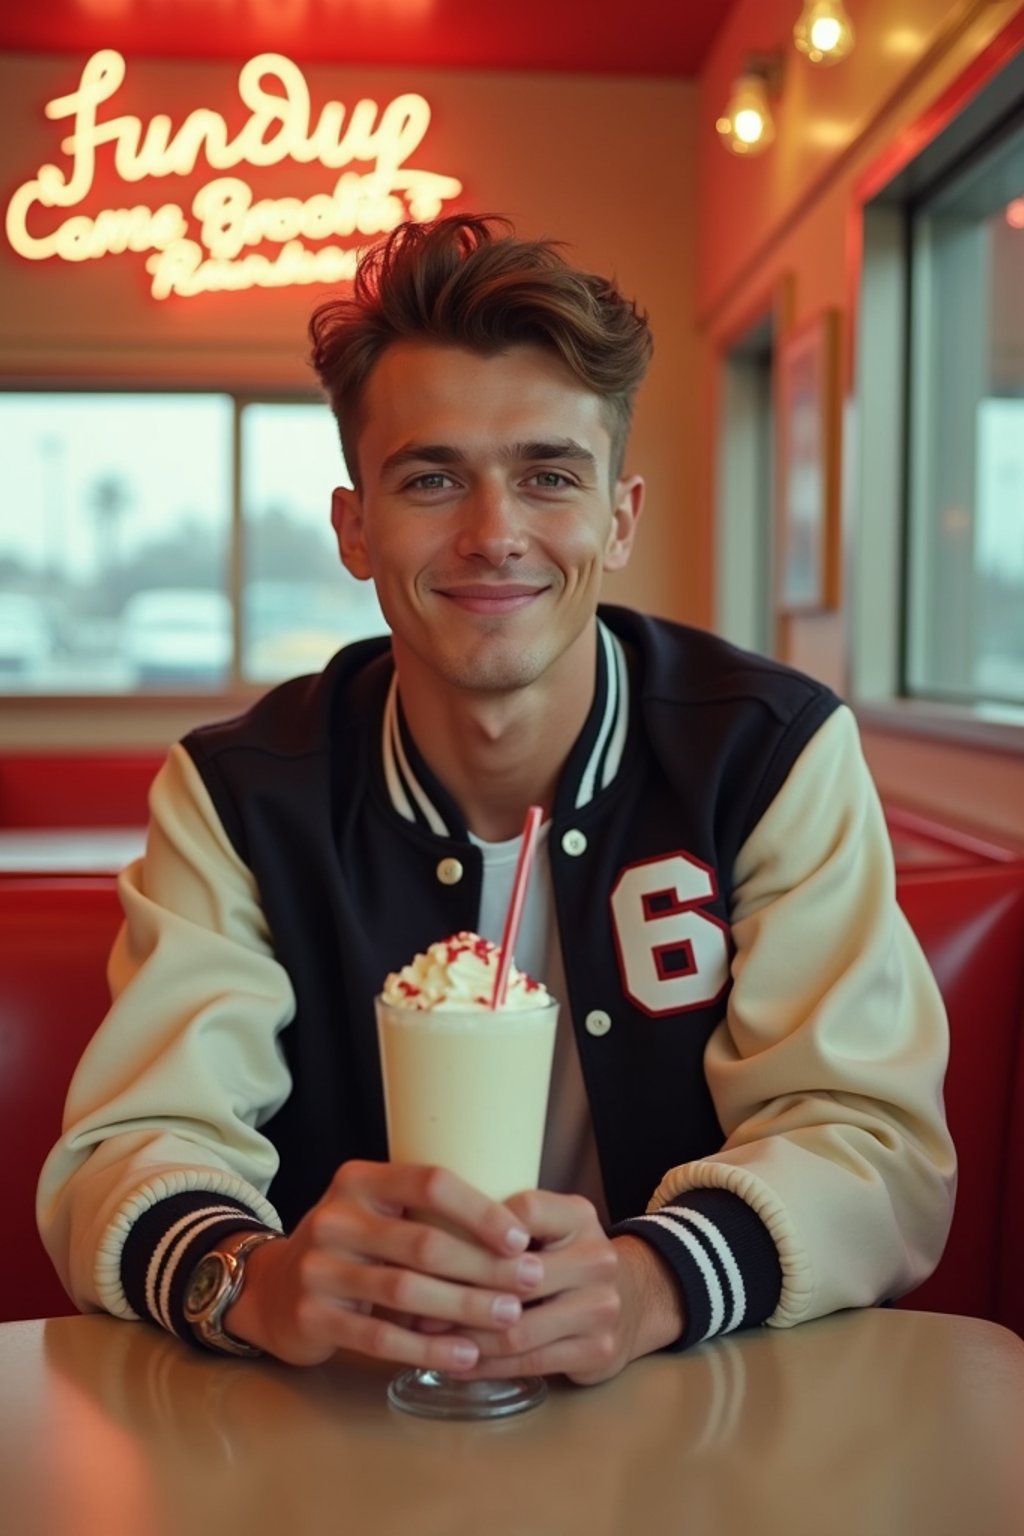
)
(491, 598)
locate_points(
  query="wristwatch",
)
(215, 1285)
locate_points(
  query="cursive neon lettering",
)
(101, 78)
(230, 219)
(111, 233)
(182, 269)
(280, 127)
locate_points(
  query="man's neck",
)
(498, 753)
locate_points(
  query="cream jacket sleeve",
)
(827, 1070)
(152, 1109)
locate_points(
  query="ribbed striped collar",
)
(594, 761)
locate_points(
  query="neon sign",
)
(211, 246)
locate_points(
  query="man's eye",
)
(433, 480)
(550, 479)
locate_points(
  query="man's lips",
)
(481, 597)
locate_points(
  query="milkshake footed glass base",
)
(434, 1395)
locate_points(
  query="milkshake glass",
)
(466, 1088)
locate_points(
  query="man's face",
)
(485, 512)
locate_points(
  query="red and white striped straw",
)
(513, 917)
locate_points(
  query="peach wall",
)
(606, 164)
(779, 225)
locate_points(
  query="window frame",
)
(980, 108)
(32, 717)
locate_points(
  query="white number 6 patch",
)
(672, 956)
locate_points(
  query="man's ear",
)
(627, 506)
(347, 522)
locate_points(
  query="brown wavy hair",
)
(469, 281)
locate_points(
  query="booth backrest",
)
(49, 789)
(1010, 1287)
(54, 939)
(970, 923)
(920, 841)
(55, 936)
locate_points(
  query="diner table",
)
(874, 1423)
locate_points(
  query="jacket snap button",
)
(574, 842)
(597, 1022)
(449, 871)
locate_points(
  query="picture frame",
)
(807, 446)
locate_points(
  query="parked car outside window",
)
(178, 637)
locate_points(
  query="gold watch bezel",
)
(214, 1285)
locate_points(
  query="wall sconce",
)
(746, 126)
(824, 32)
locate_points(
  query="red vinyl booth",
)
(50, 789)
(55, 935)
(54, 939)
(970, 923)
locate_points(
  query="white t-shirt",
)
(569, 1163)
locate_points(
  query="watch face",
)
(205, 1283)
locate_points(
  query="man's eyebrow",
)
(513, 453)
(423, 453)
(559, 448)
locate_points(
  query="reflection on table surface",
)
(870, 1423)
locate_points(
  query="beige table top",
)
(869, 1423)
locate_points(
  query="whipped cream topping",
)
(459, 973)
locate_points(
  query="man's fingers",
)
(584, 1359)
(577, 1334)
(591, 1311)
(384, 1339)
(416, 1245)
(348, 1234)
(437, 1193)
(404, 1291)
(552, 1218)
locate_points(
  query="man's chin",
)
(493, 679)
(499, 669)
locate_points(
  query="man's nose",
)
(493, 526)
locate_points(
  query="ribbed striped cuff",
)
(167, 1242)
(722, 1256)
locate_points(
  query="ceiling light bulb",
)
(746, 127)
(824, 32)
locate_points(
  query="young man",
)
(745, 1123)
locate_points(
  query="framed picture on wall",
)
(807, 399)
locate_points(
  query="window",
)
(964, 637)
(298, 603)
(169, 542)
(745, 501)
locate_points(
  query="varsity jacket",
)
(761, 1041)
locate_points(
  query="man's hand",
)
(359, 1273)
(602, 1302)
